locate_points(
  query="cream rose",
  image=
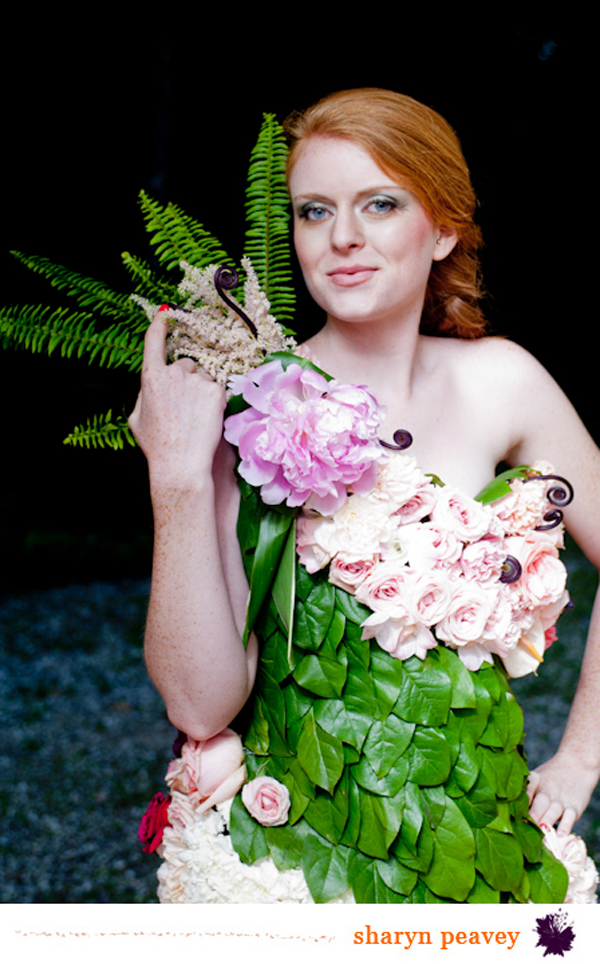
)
(267, 800)
(455, 512)
(398, 480)
(467, 616)
(209, 771)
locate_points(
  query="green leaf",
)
(247, 835)
(286, 844)
(257, 738)
(322, 676)
(351, 608)
(327, 814)
(479, 805)
(499, 859)
(325, 869)
(396, 876)
(273, 533)
(549, 879)
(465, 770)
(334, 718)
(434, 801)
(452, 871)
(284, 586)
(102, 431)
(482, 893)
(320, 754)
(386, 742)
(530, 838)
(314, 615)
(380, 819)
(368, 884)
(505, 725)
(463, 689)
(425, 693)
(499, 487)
(178, 237)
(420, 859)
(387, 785)
(429, 757)
(267, 218)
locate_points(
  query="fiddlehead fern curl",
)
(560, 494)
(402, 440)
(227, 278)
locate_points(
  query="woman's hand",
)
(178, 417)
(559, 791)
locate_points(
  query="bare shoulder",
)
(493, 357)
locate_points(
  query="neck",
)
(384, 356)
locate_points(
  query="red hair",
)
(415, 145)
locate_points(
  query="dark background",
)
(96, 114)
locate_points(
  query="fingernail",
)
(544, 826)
(164, 308)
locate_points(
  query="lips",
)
(356, 274)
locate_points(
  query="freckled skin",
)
(468, 405)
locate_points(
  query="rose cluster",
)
(303, 439)
(430, 563)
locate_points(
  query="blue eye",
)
(381, 205)
(313, 212)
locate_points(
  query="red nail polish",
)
(164, 308)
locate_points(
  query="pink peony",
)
(304, 438)
(267, 800)
(209, 771)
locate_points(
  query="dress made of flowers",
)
(383, 743)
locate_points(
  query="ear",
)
(445, 241)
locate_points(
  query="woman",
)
(384, 233)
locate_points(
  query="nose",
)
(347, 231)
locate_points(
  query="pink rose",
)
(267, 800)
(417, 507)
(455, 512)
(429, 596)
(430, 546)
(384, 590)
(401, 638)
(154, 821)
(470, 608)
(348, 574)
(543, 576)
(209, 771)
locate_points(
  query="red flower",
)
(154, 822)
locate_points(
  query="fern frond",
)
(147, 282)
(42, 329)
(267, 215)
(178, 237)
(88, 292)
(102, 431)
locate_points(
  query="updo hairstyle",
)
(417, 147)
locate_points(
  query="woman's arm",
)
(546, 426)
(193, 643)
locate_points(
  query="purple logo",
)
(555, 933)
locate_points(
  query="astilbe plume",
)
(209, 331)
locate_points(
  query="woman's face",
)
(365, 243)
